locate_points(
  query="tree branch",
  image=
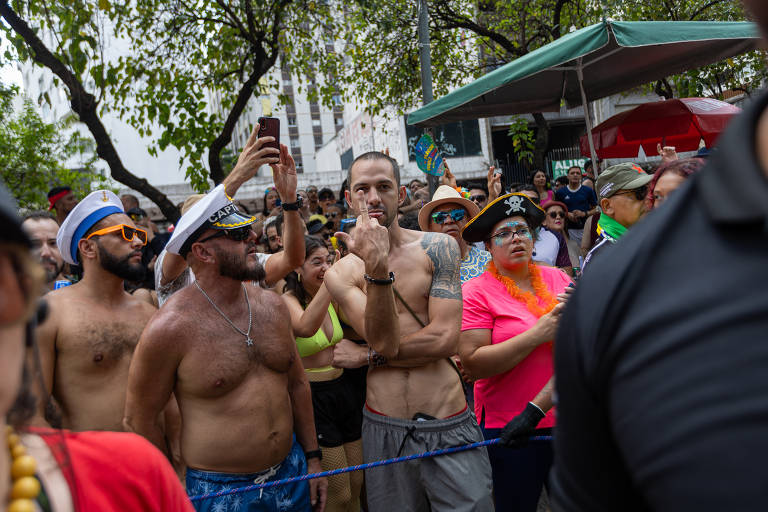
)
(84, 104)
(704, 8)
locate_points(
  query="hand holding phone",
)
(270, 127)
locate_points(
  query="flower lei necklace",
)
(530, 300)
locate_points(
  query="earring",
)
(299, 277)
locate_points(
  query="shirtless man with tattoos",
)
(225, 349)
(415, 400)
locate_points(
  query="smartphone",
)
(270, 127)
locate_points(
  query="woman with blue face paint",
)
(510, 318)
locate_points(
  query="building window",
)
(315, 122)
(291, 120)
(338, 121)
(295, 142)
(318, 141)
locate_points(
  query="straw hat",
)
(445, 194)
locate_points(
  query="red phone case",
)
(270, 127)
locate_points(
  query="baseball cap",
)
(625, 176)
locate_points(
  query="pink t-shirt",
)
(488, 305)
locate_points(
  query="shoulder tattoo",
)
(446, 258)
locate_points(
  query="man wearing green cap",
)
(622, 189)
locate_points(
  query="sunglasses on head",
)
(639, 193)
(555, 215)
(478, 197)
(441, 217)
(236, 234)
(128, 232)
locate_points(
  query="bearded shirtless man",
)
(93, 326)
(415, 401)
(225, 348)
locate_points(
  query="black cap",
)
(11, 230)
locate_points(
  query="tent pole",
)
(587, 117)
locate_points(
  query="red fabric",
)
(488, 305)
(55, 198)
(682, 123)
(115, 471)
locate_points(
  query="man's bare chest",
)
(98, 339)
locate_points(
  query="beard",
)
(52, 269)
(121, 267)
(241, 267)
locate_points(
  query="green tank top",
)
(319, 341)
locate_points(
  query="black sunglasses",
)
(555, 215)
(236, 234)
(479, 197)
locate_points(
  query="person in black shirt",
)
(662, 362)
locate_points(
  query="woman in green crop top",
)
(338, 413)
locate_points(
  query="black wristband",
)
(373, 280)
(295, 206)
(314, 454)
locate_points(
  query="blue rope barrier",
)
(310, 476)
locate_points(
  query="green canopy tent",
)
(589, 64)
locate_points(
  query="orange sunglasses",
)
(128, 232)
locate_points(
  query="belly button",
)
(98, 358)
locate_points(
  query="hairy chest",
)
(96, 343)
(219, 359)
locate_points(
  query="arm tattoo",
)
(445, 256)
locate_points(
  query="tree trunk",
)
(225, 136)
(542, 141)
(85, 105)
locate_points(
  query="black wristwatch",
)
(313, 454)
(384, 282)
(292, 207)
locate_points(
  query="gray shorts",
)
(455, 482)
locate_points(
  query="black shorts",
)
(338, 411)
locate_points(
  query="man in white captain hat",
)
(225, 349)
(87, 341)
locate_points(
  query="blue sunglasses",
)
(456, 215)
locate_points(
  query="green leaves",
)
(35, 156)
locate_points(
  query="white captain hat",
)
(214, 211)
(89, 211)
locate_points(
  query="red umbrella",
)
(679, 122)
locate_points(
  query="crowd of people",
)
(141, 368)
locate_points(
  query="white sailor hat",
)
(88, 212)
(214, 211)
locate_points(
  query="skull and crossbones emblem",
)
(515, 204)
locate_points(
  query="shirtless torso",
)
(420, 379)
(86, 346)
(236, 401)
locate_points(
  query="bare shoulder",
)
(445, 258)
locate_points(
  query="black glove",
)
(520, 428)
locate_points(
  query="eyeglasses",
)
(136, 217)
(237, 234)
(128, 232)
(509, 235)
(332, 214)
(477, 198)
(639, 193)
(554, 215)
(441, 217)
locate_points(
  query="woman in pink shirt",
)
(510, 317)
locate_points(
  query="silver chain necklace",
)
(248, 340)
